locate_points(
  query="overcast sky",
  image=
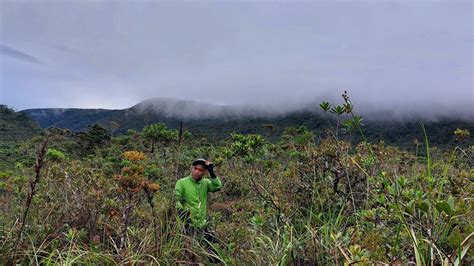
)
(112, 54)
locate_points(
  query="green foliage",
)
(246, 146)
(95, 137)
(352, 125)
(461, 134)
(16, 125)
(159, 133)
(55, 155)
(325, 106)
(337, 110)
(305, 198)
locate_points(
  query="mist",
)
(397, 59)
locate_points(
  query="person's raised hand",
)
(209, 166)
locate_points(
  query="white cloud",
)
(111, 54)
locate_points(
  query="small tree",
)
(96, 136)
(159, 133)
(132, 181)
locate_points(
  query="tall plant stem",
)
(42, 150)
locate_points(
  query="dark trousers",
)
(205, 236)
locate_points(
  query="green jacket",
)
(192, 195)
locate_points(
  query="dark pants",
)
(205, 236)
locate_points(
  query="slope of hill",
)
(16, 125)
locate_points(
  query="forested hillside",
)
(220, 124)
(16, 125)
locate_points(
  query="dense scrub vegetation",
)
(308, 198)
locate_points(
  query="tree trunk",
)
(152, 146)
(125, 221)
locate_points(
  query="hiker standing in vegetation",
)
(191, 200)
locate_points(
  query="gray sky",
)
(405, 55)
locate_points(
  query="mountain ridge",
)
(218, 121)
(195, 110)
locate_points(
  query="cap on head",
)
(199, 161)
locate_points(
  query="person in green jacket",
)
(191, 199)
